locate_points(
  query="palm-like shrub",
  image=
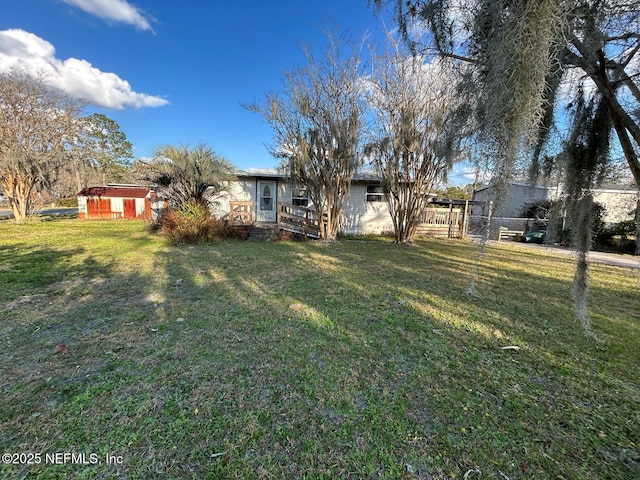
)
(189, 180)
(180, 174)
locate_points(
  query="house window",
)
(375, 193)
(300, 197)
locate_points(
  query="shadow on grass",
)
(340, 338)
(101, 310)
(26, 269)
(289, 360)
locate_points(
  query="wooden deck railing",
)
(296, 219)
(241, 213)
(441, 223)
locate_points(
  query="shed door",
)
(129, 208)
(266, 211)
(98, 207)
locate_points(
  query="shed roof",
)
(117, 192)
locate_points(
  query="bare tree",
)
(416, 133)
(316, 124)
(39, 128)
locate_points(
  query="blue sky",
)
(174, 72)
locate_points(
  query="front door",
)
(266, 211)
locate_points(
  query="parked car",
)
(539, 236)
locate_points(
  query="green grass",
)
(358, 359)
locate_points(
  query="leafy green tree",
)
(107, 147)
(182, 174)
(455, 192)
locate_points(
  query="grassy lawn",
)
(358, 359)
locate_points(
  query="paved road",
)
(55, 212)
(617, 260)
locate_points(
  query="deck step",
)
(263, 233)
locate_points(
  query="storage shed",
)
(114, 202)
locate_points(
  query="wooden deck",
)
(241, 213)
(289, 218)
(437, 222)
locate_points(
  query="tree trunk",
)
(327, 226)
(78, 181)
(333, 221)
(582, 231)
(638, 225)
(622, 122)
(17, 190)
(19, 201)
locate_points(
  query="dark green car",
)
(538, 236)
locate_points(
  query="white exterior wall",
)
(82, 205)
(620, 204)
(360, 217)
(241, 190)
(517, 197)
(117, 205)
(284, 191)
(140, 206)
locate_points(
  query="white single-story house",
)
(260, 191)
(619, 201)
(270, 196)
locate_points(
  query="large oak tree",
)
(552, 78)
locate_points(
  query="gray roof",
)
(282, 173)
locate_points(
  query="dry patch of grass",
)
(305, 360)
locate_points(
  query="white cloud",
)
(78, 78)
(113, 10)
(463, 174)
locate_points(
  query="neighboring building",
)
(115, 201)
(618, 201)
(518, 195)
